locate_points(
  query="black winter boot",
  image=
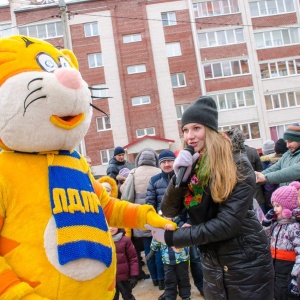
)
(155, 282)
(161, 285)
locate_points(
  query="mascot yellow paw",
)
(147, 212)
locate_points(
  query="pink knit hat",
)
(287, 197)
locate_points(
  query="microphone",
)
(182, 170)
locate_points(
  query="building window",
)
(140, 100)
(273, 7)
(221, 37)
(42, 31)
(278, 131)
(106, 155)
(91, 29)
(280, 68)
(145, 131)
(215, 8)
(226, 68)
(275, 38)
(5, 29)
(95, 60)
(173, 49)
(232, 100)
(136, 69)
(103, 123)
(180, 109)
(132, 38)
(168, 18)
(99, 91)
(282, 100)
(178, 80)
(250, 130)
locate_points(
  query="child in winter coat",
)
(127, 264)
(110, 185)
(176, 268)
(285, 242)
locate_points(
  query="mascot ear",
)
(71, 56)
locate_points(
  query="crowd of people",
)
(231, 253)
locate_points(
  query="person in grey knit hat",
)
(268, 147)
(217, 191)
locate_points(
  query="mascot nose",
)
(69, 77)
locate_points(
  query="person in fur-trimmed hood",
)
(110, 185)
(268, 151)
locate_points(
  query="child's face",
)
(108, 190)
(113, 230)
(277, 209)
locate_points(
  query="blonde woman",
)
(217, 190)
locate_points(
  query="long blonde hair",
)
(221, 165)
(223, 170)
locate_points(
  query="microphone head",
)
(190, 149)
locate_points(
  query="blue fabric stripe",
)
(61, 177)
(74, 153)
(96, 220)
(84, 249)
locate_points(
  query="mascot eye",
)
(64, 63)
(46, 62)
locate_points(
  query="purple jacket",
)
(127, 260)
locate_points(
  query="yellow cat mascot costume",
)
(54, 216)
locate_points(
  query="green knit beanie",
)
(292, 133)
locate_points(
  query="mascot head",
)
(44, 102)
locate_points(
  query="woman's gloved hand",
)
(185, 159)
(157, 233)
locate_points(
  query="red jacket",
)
(127, 260)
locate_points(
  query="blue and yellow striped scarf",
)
(82, 231)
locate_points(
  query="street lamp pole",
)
(63, 13)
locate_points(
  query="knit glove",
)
(133, 281)
(185, 159)
(268, 218)
(157, 233)
(149, 255)
(293, 287)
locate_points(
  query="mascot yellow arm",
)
(123, 214)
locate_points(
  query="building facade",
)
(148, 59)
